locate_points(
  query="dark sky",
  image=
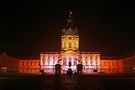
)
(28, 27)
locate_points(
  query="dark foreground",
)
(64, 82)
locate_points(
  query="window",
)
(23, 63)
(69, 44)
(117, 64)
(64, 44)
(31, 63)
(27, 63)
(53, 60)
(48, 60)
(75, 61)
(91, 62)
(96, 58)
(91, 58)
(64, 61)
(104, 63)
(43, 57)
(44, 62)
(96, 63)
(35, 64)
(113, 63)
(75, 44)
(109, 64)
(86, 62)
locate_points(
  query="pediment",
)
(69, 52)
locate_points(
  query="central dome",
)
(70, 28)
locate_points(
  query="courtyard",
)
(67, 82)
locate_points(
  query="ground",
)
(64, 82)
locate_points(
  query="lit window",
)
(43, 57)
(48, 60)
(35, 63)
(108, 63)
(22, 63)
(64, 44)
(96, 63)
(104, 63)
(44, 62)
(64, 61)
(117, 64)
(75, 61)
(91, 58)
(91, 63)
(96, 58)
(31, 63)
(86, 62)
(69, 44)
(112, 63)
(53, 60)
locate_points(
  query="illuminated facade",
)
(69, 54)
(68, 57)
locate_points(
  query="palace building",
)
(70, 53)
(69, 57)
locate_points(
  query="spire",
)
(70, 13)
(70, 17)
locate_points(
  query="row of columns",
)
(53, 61)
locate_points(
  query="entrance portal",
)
(69, 63)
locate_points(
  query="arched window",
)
(65, 61)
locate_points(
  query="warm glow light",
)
(70, 56)
(70, 42)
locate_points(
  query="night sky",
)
(28, 27)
